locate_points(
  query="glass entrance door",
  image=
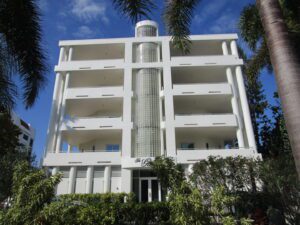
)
(149, 190)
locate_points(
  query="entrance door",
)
(149, 190)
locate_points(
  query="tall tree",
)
(286, 64)
(20, 51)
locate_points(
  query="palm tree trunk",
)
(286, 67)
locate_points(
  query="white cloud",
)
(225, 23)
(88, 10)
(84, 32)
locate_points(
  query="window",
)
(186, 146)
(24, 124)
(25, 137)
(31, 142)
(112, 147)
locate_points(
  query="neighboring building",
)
(118, 103)
(26, 138)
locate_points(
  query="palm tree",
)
(20, 52)
(286, 64)
(177, 15)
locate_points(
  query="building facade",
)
(26, 138)
(118, 103)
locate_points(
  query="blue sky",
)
(84, 19)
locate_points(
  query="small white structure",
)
(26, 138)
(118, 103)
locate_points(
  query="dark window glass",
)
(31, 142)
(144, 191)
(154, 188)
(25, 137)
(187, 145)
(112, 147)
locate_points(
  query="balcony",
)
(194, 144)
(202, 89)
(220, 120)
(95, 92)
(203, 52)
(93, 123)
(94, 108)
(100, 56)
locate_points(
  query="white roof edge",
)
(233, 36)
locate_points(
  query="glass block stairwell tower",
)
(146, 95)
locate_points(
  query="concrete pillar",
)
(53, 115)
(62, 55)
(72, 180)
(235, 108)
(126, 181)
(54, 171)
(62, 114)
(69, 148)
(234, 49)
(107, 176)
(225, 48)
(245, 107)
(89, 179)
(70, 55)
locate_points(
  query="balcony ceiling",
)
(77, 137)
(96, 78)
(90, 107)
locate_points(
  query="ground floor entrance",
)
(147, 187)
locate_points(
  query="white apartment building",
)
(118, 103)
(26, 138)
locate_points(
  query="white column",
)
(62, 114)
(72, 180)
(245, 107)
(62, 55)
(126, 181)
(54, 171)
(224, 48)
(70, 55)
(69, 148)
(57, 117)
(89, 179)
(235, 108)
(53, 115)
(169, 106)
(234, 49)
(107, 176)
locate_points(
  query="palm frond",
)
(250, 26)
(178, 16)
(8, 90)
(134, 9)
(19, 24)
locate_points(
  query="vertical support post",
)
(107, 176)
(53, 115)
(225, 48)
(54, 171)
(235, 108)
(234, 49)
(245, 108)
(72, 180)
(89, 179)
(169, 106)
(62, 55)
(126, 181)
(70, 55)
(69, 148)
(61, 114)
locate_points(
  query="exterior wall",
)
(112, 171)
(26, 138)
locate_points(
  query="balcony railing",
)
(94, 123)
(201, 89)
(94, 92)
(92, 151)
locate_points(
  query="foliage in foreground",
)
(228, 191)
